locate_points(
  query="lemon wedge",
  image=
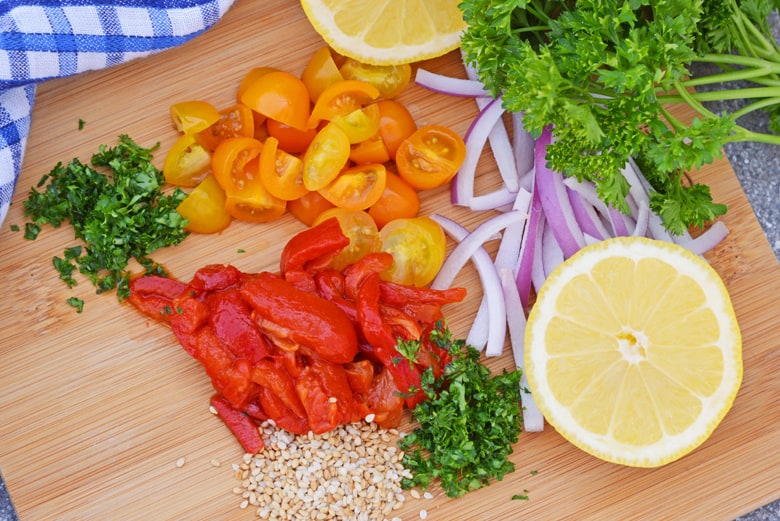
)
(633, 352)
(387, 32)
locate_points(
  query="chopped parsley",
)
(467, 424)
(76, 303)
(119, 213)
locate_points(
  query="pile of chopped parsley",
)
(119, 212)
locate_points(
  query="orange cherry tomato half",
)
(320, 72)
(418, 246)
(371, 150)
(204, 207)
(326, 156)
(291, 139)
(234, 121)
(361, 230)
(395, 124)
(281, 173)
(341, 98)
(231, 163)
(250, 78)
(390, 80)
(398, 201)
(308, 207)
(190, 117)
(356, 188)
(281, 96)
(187, 162)
(430, 157)
(254, 204)
(360, 124)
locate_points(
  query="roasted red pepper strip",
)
(278, 381)
(325, 239)
(325, 393)
(153, 295)
(384, 400)
(280, 414)
(283, 311)
(424, 304)
(188, 316)
(231, 319)
(356, 273)
(229, 376)
(330, 285)
(216, 277)
(242, 426)
(379, 334)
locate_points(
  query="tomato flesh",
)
(418, 246)
(430, 157)
(280, 172)
(341, 98)
(356, 188)
(326, 156)
(187, 162)
(390, 80)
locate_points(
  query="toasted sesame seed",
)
(180, 462)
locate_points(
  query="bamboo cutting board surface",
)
(95, 408)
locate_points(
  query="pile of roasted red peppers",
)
(309, 347)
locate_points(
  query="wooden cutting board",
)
(95, 408)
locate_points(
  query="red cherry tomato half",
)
(430, 157)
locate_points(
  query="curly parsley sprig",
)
(602, 74)
(120, 213)
(467, 424)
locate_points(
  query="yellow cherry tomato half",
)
(320, 72)
(190, 117)
(281, 96)
(418, 246)
(341, 98)
(281, 173)
(204, 208)
(390, 80)
(361, 230)
(398, 201)
(308, 207)
(430, 157)
(360, 124)
(326, 156)
(356, 188)
(187, 162)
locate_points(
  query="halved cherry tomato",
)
(395, 124)
(204, 207)
(187, 162)
(191, 117)
(308, 207)
(418, 246)
(360, 124)
(320, 72)
(250, 78)
(398, 201)
(234, 121)
(253, 202)
(371, 150)
(326, 156)
(281, 96)
(357, 187)
(430, 157)
(230, 162)
(390, 80)
(361, 230)
(292, 140)
(341, 98)
(281, 173)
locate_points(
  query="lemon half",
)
(633, 352)
(387, 32)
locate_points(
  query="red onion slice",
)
(450, 85)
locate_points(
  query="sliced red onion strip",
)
(642, 218)
(533, 420)
(470, 247)
(527, 255)
(537, 268)
(708, 239)
(552, 254)
(480, 327)
(640, 189)
(522, 145)
(586, 215)
(508, 254)
(618, 223)
(555, 201)
(449, 85)
(476, 137)
(495, 200)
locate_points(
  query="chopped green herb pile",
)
(603, 73)
(120, 213)
(467, 424)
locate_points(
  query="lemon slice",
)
(633, 352)
(387, 32)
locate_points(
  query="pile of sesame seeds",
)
(353, 472)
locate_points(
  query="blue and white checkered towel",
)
(44, 39)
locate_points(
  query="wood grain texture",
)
(95, 408)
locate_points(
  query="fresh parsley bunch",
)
(603, 73)
(467, 424)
